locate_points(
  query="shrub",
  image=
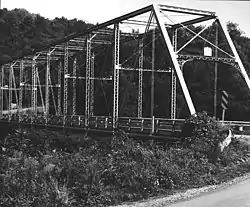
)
(44, 169)
(205, 134)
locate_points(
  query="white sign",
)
(208, 51)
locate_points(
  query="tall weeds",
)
(44, 169)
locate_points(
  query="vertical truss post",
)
(65, 87)
(59, 89)
(34, 89)
(25, 88)
(74, 87)
(20, 105)
(215, 70)
(173, 79)
(40, 89)
(47, 87)
(10, 91)
(140, 92)
(153, 80)
(33, 65)
(92, 85)
(14, 84)
(116, 75)
(174, 59)
(52, 93)
(1, 91)
(87, 92)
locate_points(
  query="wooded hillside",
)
(22, 32)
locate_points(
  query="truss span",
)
(79, 81)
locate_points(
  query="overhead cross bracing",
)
(84, 80)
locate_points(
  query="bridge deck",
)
(139, 126)
(143, 126)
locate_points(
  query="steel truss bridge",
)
(28, 83)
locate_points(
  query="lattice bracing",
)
(74, 87)
(173, 79)
(87, 85)
(10, 91)
(65, 80)
(47, 93)
(34, 87)
(59, 90)
(92, 85)
(140, 89)
(20, 106)
(116, 75)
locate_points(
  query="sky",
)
(93, 11)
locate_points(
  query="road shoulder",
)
(186, 195)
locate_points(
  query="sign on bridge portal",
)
(224, 100)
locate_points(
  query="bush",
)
(204, 133)
(44, 169)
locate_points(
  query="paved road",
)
(237, 195)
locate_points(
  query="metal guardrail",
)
(147, 126)
(236, 123)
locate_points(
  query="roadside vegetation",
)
(43, 169)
